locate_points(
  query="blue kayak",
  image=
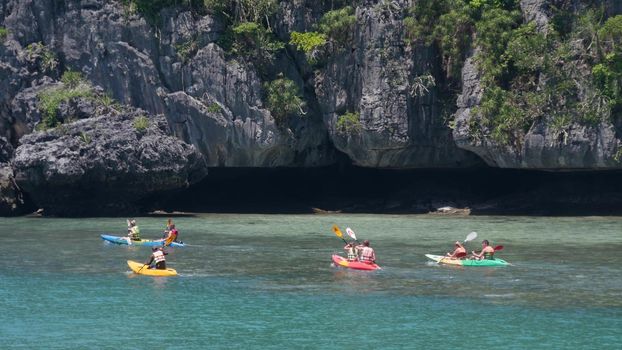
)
(142, 242)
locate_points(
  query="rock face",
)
(104, 165)
(220, 110)
(11, 200)
(176, 69)
(376, 77)
(535, 10)
(216, 103)
(179, 68)
(578, 147)
(545, 145)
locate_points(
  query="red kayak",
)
(357, 265)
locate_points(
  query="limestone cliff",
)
(375, 77)
(568, 123)
(105, 164)
(373, 95)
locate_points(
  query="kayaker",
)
(157, 257)
(171, 235)
(367, 254)
(486, 253)
(351, 251)
(459, 251)
(133, 232)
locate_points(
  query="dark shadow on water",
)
(347, 189)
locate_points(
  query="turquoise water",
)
(266, 282)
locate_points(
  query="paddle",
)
(351, 233)
(338, 233)
(141, 268)
(471, 236)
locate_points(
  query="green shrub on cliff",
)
(421, 84)
(186, 49)
(242, 10)
(283, 99)
(141, 123)
(450, 25)
(495, 29)
(3, 34)
(338, 24)
(501, 112)
(608, 76)
(526, 48)
(255, 42)
(106, 100)
(611, 33)
(41, 54)
(608, 72)
(231, 10)
(309, 43)
(422, 20)
(150, 9)
(51, 98)
(214, 108)
(446, 24)
(86, 138)
(527, 74)
(334, 26)
(248, 31)
(348, 124)
(217, 7)
(568, 95)
(72, 79)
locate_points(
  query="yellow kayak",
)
(144, 270)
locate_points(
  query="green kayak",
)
(466, 262)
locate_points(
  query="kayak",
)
(141, 269)
(466, 262)
(142, 242)
(356, 265)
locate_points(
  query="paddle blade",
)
(337, 231)
(471, 236)
(499, 247)
(351, 233)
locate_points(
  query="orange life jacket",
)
(172, 236)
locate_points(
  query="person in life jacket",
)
(157, 258)
(351, 251)
(487, 252)
(133, 232)
(367, 253)
(459, 251)
(171, 234)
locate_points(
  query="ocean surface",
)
(266, 282)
